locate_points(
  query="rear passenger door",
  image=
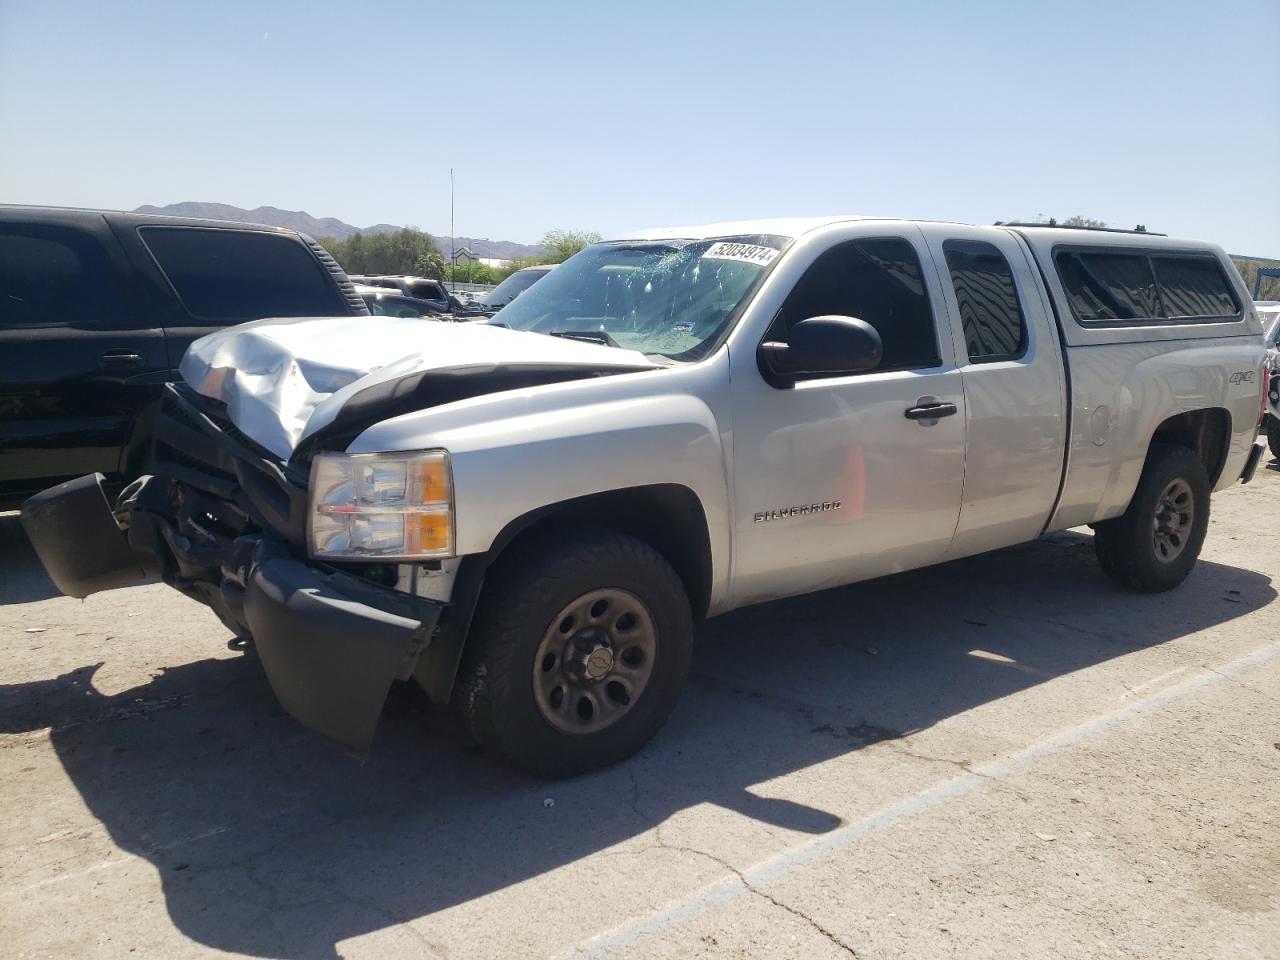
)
(1010, 363)
(222, 277)
(78, 360)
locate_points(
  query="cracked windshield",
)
(668, 298)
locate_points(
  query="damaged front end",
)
(223, 521)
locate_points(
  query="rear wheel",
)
(577, 655)
(1273, 436)
(1155, 543)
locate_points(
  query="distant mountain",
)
(271, 216)
(332, 227)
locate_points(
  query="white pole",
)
(453, 264)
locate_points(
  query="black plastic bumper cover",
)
(76, 537)
(330, 658)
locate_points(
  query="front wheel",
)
(1155, 543)
(578, 653)
(1273, 436)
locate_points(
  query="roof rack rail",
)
(1140, 228)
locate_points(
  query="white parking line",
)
(793, 858)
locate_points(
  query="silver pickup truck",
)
(528, 515)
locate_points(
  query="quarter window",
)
(1109, 286)
(240, 275)
(879, 281)
(994, 326)
(1194, 287)
(1118, 287)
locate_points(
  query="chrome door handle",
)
(931, 411)
(120, 358)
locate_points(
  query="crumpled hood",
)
(283, 379)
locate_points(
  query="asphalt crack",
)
(661, 843)
(1240, 683)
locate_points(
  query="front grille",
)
(194, 443)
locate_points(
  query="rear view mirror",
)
(822, 345)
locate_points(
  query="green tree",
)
(1076, 221)
(431, 265)
(466, 272)
(1079, 221)
(560, 245)
(563, 244)
(399, 252)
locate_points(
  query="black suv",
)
(97, 308)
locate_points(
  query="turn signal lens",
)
(431, 534)
(432, 480)
(375, 506)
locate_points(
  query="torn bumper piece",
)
(331, 643)
(329, 653)
(78, 540)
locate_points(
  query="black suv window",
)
(1194, 286)
(48, 282)
(228, 275)
(879, 281)
(994, 327)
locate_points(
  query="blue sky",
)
(610, 116)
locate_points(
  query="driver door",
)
(833, 481)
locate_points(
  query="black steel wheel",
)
(595, 661)
(579, 651)
(1154, 544)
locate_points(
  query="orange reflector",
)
(428, 532)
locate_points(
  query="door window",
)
(230, 275)
(994, 326)
(53, 282)
(879, 281)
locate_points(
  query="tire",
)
(1135, 549)
(537, 631)
(1273, 436)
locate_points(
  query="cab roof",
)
(777, 226)
(1044, 235)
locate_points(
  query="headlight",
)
(381, 506)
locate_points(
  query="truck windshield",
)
(673, 298)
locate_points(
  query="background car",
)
(97, 309)
(419, 288)
(513, 286)
(383, 301)
(1269, 312)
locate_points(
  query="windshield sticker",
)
(745, 252)
(682, 327)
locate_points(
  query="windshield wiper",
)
(590, 336)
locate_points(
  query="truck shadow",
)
(269, 843)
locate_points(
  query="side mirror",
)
(822, 345)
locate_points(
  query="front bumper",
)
(331, 643)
